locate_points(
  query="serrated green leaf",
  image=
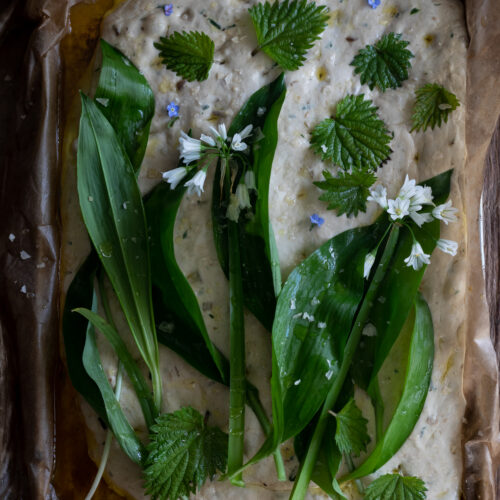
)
(347, 192)
(396, 487)
(351, 433)
(287, 30)
(384, 64)
(189, 55)
(356, 138)
(434, 104)
(183, 453)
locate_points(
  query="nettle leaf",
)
(287, 30)
(189, 55)
(396, 487)
(356, 138)
(384, 64)
(347, 192)
(351, 434)
(183, 453)
(434, 104)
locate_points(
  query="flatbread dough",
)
(437, 38)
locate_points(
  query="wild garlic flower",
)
(250, 180)
(409, 204)
(378, 195)
(175, 176)
(243, 196)
(408, 189)
(398, 208)
(220, 132)
(199, 153)
(189, 148)
(369, 261)
(417, 257)
(195, 185)
(420, 218)
(445, 212)
(447, 246)
(233, 209)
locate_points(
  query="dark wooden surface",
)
(491, 224)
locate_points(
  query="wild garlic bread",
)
(358, 108)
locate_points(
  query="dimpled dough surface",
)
(438, 40)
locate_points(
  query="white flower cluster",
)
(203, 150)
(409, 203)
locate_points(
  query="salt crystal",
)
(308, 317)
(369, 330)
(102, 100)
(25, 255)
(23, 289)
(12, 237)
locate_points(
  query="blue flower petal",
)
(168, 9)
(173, 110)
(316, 220)
(373, 3)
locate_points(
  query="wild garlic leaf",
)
(190, 55)
(434, 104)
(347, 192)
(396, 487)
(287, 30)
(107, 183)
(415, 388)
(356, 138)
(183, 453)
(384, 64)
(351, 433)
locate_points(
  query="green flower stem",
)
(301, 484)
(237, 379)
(255, 404)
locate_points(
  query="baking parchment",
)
(31, 114)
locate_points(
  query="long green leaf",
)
(126, 100)
(314, 316)
(113, 213)
(74, 329)
(141, 388)
(179, 321)
(397, 292)
(260, 262)
(116, 419)
(416, 386)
